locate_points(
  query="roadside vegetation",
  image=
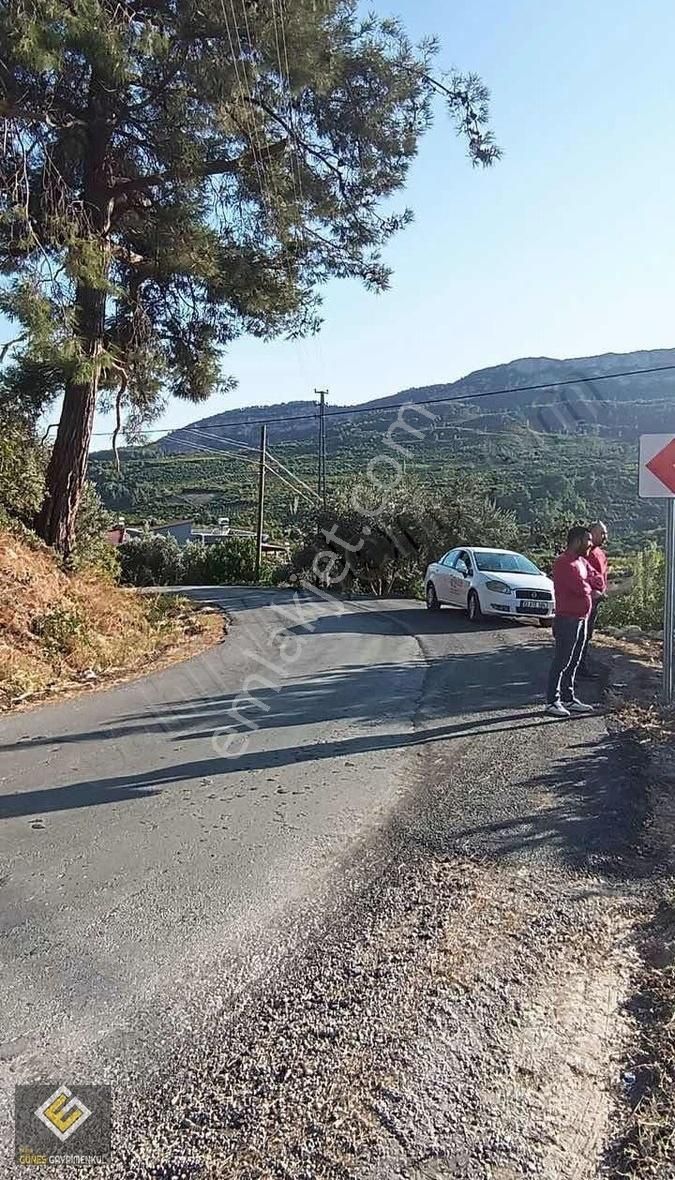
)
(160, 561)
(643, 1147)
(641, 602)
(389, 551)
(65, 625)
(60, 630)
(389, 545)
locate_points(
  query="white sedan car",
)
(490, 582)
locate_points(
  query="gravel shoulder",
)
(642, 1145)
(463, 1028)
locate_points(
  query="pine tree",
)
(177, 173)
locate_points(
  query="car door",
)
(460, 578)
(441, 575)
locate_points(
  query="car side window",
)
(463, 558)
(449, 558)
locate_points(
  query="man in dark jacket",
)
(574, 582)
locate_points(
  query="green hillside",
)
(563, 451)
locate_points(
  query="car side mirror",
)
(461, 569)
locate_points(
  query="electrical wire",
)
(254, 450)
(297, 187)
(355, 411)
(252, 463)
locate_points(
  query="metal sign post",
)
(669, 611)
(657, 481)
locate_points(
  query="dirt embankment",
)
(644, 1147)
(60, 631)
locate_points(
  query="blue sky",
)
(564, 248)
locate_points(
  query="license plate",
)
(530, 604)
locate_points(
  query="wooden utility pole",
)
(322, 445)
(261, 501)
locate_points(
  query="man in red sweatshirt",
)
(574, 582)
(597, 560)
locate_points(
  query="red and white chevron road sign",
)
(657, 466)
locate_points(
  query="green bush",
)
(159, 561)
(60, 630)
(151, 561)
(642, 604)
(228, 562)
(22, 473)
(385, 548)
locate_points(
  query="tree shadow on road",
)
(460, 684)
(475, 701)
(213, 766)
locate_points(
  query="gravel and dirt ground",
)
(466, 1026)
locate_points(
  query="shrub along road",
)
(388, 937)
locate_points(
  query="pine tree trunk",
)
(67, 470)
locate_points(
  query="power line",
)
(432, 401)
(297, 187)
(217, 451)
(304, 488)
(247, 447)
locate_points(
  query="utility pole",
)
(322, 445)
(261, 501)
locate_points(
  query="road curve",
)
(146, 874)
(133, 854)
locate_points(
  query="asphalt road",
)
(147, 872)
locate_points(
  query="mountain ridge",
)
(506, 387)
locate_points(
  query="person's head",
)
(599, 534)
(579, 540)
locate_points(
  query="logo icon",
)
(47, 1116)
(63, 1113)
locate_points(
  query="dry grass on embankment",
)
(60, 632)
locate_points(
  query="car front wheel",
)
(473, 608)
(432, 597)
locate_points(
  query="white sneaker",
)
(579, 707)
(557, 710)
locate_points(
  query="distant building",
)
(180, 530)
(184, 531)
(277, 550)
(211, 535)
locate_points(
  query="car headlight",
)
(498, 587)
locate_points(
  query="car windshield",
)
(505, 563)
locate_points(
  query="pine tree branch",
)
(19, 109)
(10, 344)
(221, 166)
(302, 143)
